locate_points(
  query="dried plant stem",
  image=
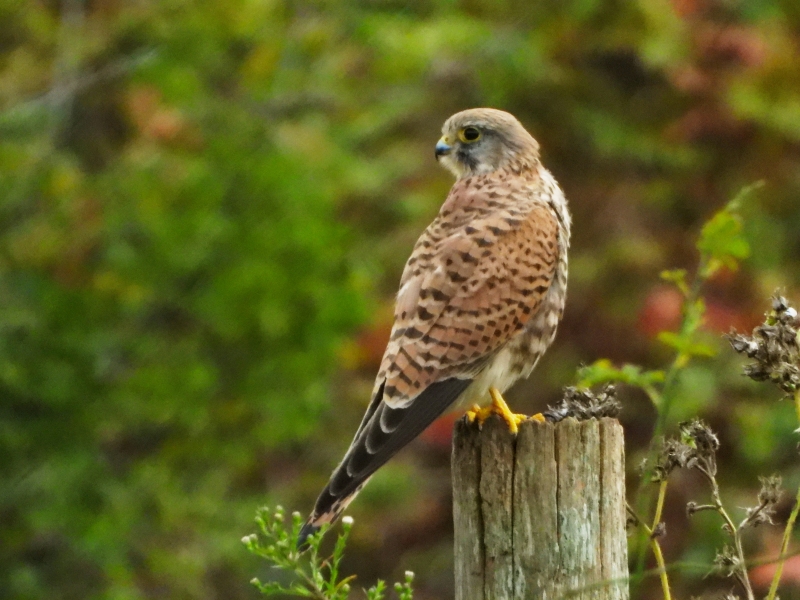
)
(741, 570)
(787, 533)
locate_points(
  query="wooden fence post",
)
(540, 515)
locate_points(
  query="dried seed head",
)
(704, 442)
(779, 305)
(768, 497)
(773, 346)
(726, 562)
(674, 455)
(584, 404)
(743, 345)
(699, 435)
(770, 490)
(696, 449)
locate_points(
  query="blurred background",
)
(205, 208)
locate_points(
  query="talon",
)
(539, 417)
(476, 413)
(500, 407)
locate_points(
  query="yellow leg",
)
(499, 407)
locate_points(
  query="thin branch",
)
(741, 569)
(701, 507)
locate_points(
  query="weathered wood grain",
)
(614, 555)
(540, 515)
(537, 553)
(496, 492)
(467, 522)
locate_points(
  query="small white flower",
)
(409, 574)
(249, 538)
(348, 520)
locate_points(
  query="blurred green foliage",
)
(202, 203)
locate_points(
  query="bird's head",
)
(483, 140)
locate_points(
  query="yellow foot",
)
(478, 413)
(499, 407)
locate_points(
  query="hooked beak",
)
(442, 148)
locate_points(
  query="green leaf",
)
(722, 242)
(685, 345)
(377, 591)
(603, 371)
(310, 575)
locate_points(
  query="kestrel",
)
(479, 301)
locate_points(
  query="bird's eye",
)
(469, 134)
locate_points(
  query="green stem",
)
(661, 565)
(662, 493)
(662, 568)
(663, 401)
(797, 402)
(787, 536)
(787, 533)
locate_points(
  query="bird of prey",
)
(479, 300)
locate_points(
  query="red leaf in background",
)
(732, 44)
(661, 310)
(690, 79)
(707, 122)
(372, 342)
(440, 432)
(721, 318)
(761, 576)
(687, 8)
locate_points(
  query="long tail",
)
(327, 510)
(383, 432)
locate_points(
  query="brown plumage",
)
(479, 299)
